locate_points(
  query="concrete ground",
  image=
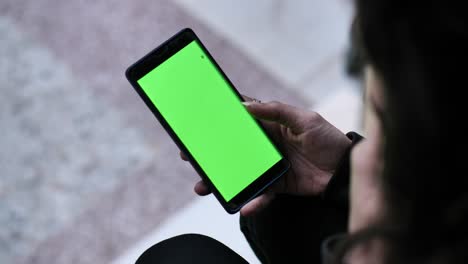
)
(86, 173)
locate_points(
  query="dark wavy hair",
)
(420, 51)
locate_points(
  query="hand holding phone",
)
(201, 110)
(313, 146)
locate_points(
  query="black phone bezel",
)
(158, 56)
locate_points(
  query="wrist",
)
(338, 184)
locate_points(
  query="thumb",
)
(287, 115)
(257, 204)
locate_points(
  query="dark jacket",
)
(292, 229)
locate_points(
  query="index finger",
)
(183, 156)
(246, 98)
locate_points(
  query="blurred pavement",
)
(86, 171)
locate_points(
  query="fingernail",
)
(248, 103)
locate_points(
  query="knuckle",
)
(313, 117)
(275, 104)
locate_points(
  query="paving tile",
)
(61, 146)
(86, 168)
(196, 217)
(327, 79)
(89, 169)
(291, 39)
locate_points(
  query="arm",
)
(277, 233)
(287, 223)
(337, 190)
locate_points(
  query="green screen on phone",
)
(205, 113)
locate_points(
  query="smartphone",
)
(201, 110)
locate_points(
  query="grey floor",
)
(85, 170)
